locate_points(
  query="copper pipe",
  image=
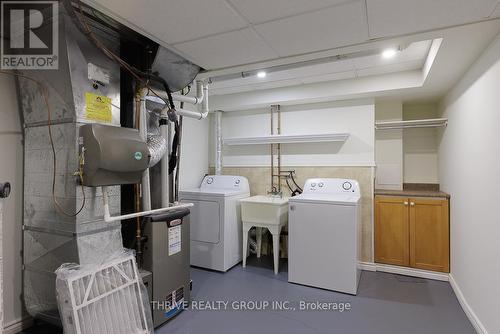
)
(272, 149)
(275, 188)
(279, 147)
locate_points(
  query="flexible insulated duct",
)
(156, 143)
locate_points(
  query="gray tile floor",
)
(385, 304)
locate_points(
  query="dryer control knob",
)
(347, 185)
(210, 180)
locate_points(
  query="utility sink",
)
(264, 210)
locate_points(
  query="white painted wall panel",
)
(354, 117)
(389, 147)
(420, 146)
(468, 169)
(194, 154)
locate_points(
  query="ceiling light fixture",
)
(261, 74)
(389, 53)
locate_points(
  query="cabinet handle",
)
(412, 203)
(406, 203)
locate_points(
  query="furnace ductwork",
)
(157, 145)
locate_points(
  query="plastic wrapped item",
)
(104, 298)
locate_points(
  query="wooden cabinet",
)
(429, 234)
(412, 232)
(392, 234)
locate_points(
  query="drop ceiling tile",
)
(229, 49)
(173, 21)
(259, 11)
(329, 28)
(398, 17)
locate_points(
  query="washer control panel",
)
(225, 182)
(331, 186)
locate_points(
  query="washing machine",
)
(324, 235)
(216, 231)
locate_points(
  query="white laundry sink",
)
(264, 210)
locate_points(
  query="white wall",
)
(11, 169)
(469, 165)
(354, 117)
(420, 145)
(194, 152)
(389, 147)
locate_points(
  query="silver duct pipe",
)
(218, 142)
(157, 146)
(156, 143)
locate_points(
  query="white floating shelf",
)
(419, 123)
(288, 139)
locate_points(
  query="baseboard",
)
(478, 326)
(370, 266)
(367, 266)
(17, 326)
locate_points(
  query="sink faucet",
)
(275, 193)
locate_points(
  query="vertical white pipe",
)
(204, 102)
(143, 130)
(218, 142)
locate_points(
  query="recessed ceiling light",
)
(261, 74)
(389, 53)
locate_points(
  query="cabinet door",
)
(429, 234)
(391, 230)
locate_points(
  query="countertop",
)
(412, 193)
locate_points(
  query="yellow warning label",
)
(97, 108)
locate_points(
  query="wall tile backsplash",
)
(260, 181)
